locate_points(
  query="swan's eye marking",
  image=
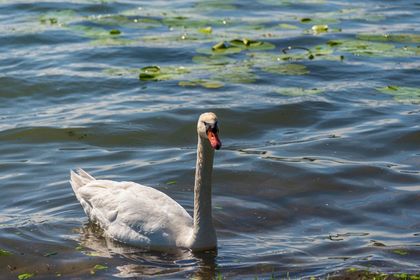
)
(211, 126)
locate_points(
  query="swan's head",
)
(207, 128)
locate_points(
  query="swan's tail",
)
(78, 179)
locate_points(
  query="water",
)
(307, 183)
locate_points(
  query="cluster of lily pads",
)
(240, 50)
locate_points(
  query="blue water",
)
(320, 166)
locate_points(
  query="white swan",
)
(142, 216)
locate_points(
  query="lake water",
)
(319, 114)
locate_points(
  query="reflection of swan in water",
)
(140, 262)
(145, 217)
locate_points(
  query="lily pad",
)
(115, 32)
(402, 94)
(98, 267)
(206, 30)
(400, 252)
(236, 74)
(156, 73)
(214, 5)
(399, 38)
(5, 253)
(374, 49)
(296, 91)
(223, 48)
(319, 20)
(25, 276)
(59, 18)
(286, 69)
(320, 28)
(212, 84)
(212, 59)
(251, 44)
(100, 36)
(288, 26)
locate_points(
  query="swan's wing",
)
(135, 214)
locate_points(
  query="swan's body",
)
(143, 216)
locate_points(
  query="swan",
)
(145, 217)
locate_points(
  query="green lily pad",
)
(374, 49)
(400, 252)
(399, 38)
(402, 94)
(214, 5)
(206, 30)
(115, 32)
(319, 20)
(58, 17)
(320, 28)
(156, 73)
(251, 44)
(100, 36)
(212, 59)
(25, 276)
(188, 22)
(286, 69)
(5, 253)
(99, 267)
(236, 74)
(212, 84)
(288, 26)
(221, 48)
(296, 91)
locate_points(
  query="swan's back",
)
(133, 213)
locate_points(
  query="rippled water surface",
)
(319, 109)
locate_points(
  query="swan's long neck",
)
(204, 235)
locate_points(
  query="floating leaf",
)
(237, 74)
(374, 49)
(287, 69)
(156, 73)
(206, 30)
(214, 5)
(100, 36)
(5, 253)
(212, 59)
(251, 44)
(25, 276)
(220, 46)
(319, 20)
(400, 252)
(296, 91)
(402, 94)
(115, 32)
(320, 28)
(99, 267)
(58, 17)
(203, 83)
(173, 182)
(288, 26)
(399, 38)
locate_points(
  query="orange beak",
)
(214, 139)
